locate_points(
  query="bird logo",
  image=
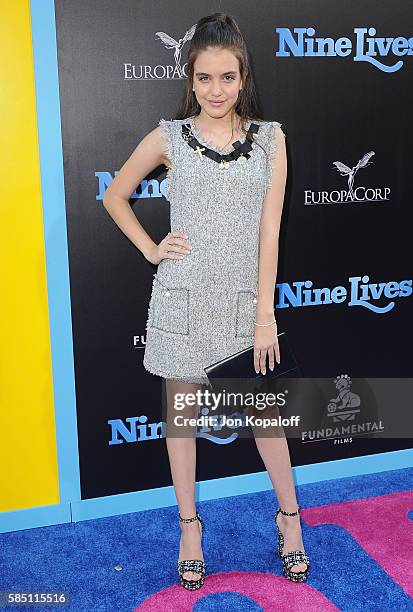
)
(351, 172)
(171, 43)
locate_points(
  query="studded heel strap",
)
(289, 513)
(197, 517)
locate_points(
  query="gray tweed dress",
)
(202, 308)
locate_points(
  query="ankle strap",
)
(289, 513)
(189, 520)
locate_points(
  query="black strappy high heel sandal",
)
(294, 557)
(192, 565)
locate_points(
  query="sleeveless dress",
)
(202, 308)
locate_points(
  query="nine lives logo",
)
(344, 413)
(137, 429)
(148, 188)
(360, 293)
(357, 195)
(367, 47)
(145, 72)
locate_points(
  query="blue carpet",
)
(240, 536)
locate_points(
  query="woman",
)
(213, 293)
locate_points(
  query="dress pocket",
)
(169, 308)
(246, 307)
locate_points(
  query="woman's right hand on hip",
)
(173, 246)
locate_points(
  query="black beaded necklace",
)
(240, 153)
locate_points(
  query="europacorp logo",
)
(161, 71)
(352, 194)
(365, 47)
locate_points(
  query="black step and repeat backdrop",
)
(338, 76)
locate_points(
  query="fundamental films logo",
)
(161, 71)
(352, 194)
(344, 417)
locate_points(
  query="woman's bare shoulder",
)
(157, 142)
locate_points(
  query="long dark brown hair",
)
(221, 30)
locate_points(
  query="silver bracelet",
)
(265, 324)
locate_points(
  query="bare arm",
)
(266, 337)
(269, 232)
(148, 155)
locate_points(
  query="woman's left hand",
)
(265, 344)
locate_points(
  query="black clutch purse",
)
(241, 364)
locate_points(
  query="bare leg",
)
(181, 445)
(273, 449)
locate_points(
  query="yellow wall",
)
(28, 458)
